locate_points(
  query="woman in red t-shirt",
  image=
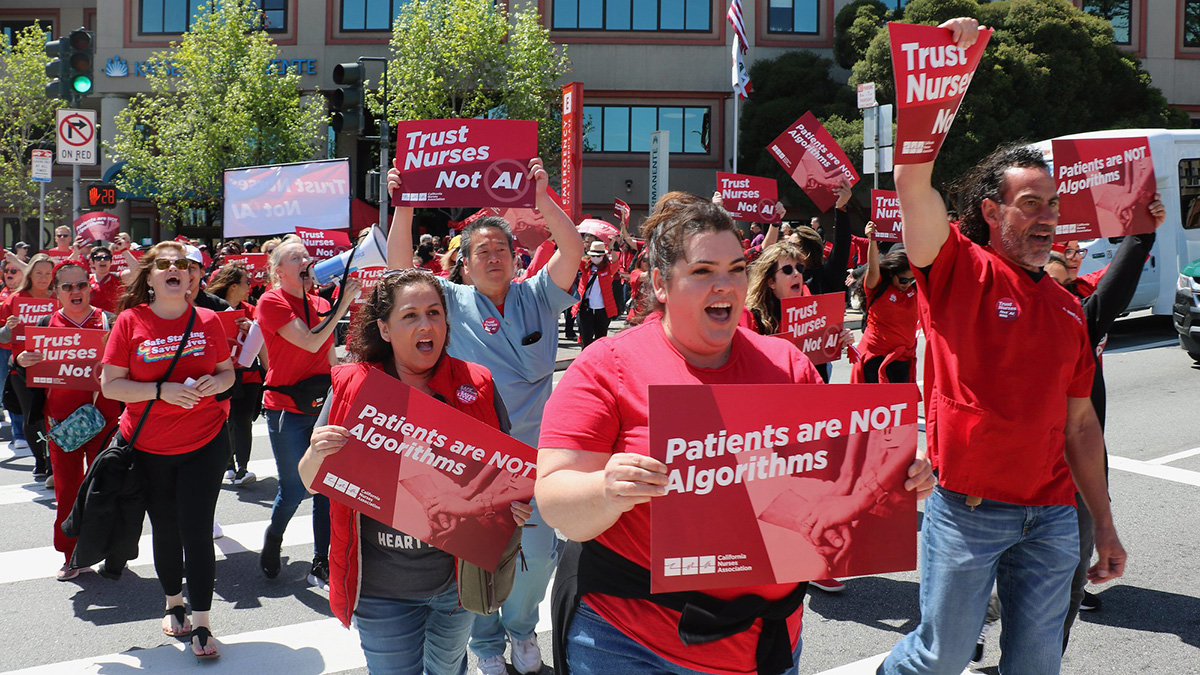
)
(33, 301)
(296, 384)
(70, 281)
(181, 448)
(595, 476)
(232, 284)
(889, 302)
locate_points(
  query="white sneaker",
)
(527, 655)
(493, 665)
(217, 531)
(229, 474)
(20, 444)
(50, 482)
(245, 480)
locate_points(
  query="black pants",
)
(32, 421)
(243, 410)
(897, 371)
(181, 498)
(593, 325)
(568, 324)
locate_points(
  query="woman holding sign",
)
(70, 282)
(401, 592)
(169, 384)
(888, 349)
(595, 475)
(32, 301)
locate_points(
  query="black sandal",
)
(180, 615)
(204, 634)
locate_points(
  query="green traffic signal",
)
(82, 84)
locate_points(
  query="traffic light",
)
(56, 70)
(347, 100)
(70, 67)
(102, 196)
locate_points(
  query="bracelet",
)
(158, 391)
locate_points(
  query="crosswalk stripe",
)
(296, 648)
(43, 562)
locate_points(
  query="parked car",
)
(1187, 309)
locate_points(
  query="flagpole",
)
(735, 130)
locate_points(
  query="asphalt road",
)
(1149, 622)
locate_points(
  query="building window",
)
(1118, 12)
(895, 4)
(1189, 193)
(13, 27)
(627, 128)
(633, 15)
(1191, 23)
(172, 17)
(793, 17)
(370, 15)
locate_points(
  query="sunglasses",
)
(180, 264)
(102, 258)
(62, 236)
(77, 286)
(904, 281)
(789, 270)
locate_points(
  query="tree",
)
(853, 29)
(454, 59)
(1050, 69)
(218, 102)
(26, 122)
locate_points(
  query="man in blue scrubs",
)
(512, 329)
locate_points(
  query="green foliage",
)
(854, 27)
(454, 59)
(784, 89)
(1049, 70)
(227, 107)
(26, 121)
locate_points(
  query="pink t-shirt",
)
(602, 405)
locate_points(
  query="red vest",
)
(345, 557)
(604, 279)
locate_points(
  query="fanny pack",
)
(483, 592)
(308, 395)
(78, 428)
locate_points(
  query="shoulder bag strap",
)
(187, 333)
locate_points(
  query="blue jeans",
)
(596, 646)
(1029, 552)
(290, 433)
(410, 637)
(518, 616)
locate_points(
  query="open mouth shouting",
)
(425, 346)
(720, 312)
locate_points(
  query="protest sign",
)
(258, 264)
(813, 323)
(229, 319)
(367, 277)
(812, 488)
(323, 244)
(813, 159)
(932, 75)
(118, 262)
(749, 198)
(97, 226)
(528, 225)
(1105, 186)
(70, 357)
(409, 462)
(885, 212)
(266, 200)
(28, 312)
(621, 211)
(466, 162)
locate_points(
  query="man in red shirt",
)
(1011, 429)
(106, 286)
(62, 244)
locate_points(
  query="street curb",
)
(562, 364)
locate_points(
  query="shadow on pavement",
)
(1144, 609)
(878, 602)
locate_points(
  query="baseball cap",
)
(193, 254)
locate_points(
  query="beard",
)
(1023, 250)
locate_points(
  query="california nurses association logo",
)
(1008, 309)
(467, 394)
(491, 325)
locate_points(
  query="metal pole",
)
(384, 126)
(74, 191)
(41, 215)
(735, 130)
(878, 150)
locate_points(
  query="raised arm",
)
(1116, 287)
(399, 240)
(565, 262)
(871, 278)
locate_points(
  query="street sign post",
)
(866, 95)
(41, 165)
(660, 146)
(76, 137)
(877, 135)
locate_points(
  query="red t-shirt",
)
(858, 250)
(30, 310)
(891, 320)
(145, 344)
(59, 254)
(602, 405)
(60, 401)
(106, 292)
(250, 375)
(287, 363)
(1003, 354)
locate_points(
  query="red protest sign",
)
(885, 212)
(813, 323)
(97, 226)
(813, 159)
(324, 244)
(466, 162)
(367, 277)
(932, 75)
(258, 264)
(28, 312)
(528, 225)
(1105, 186)
(70, 357)
(118, 261)
(749, 198)
(785, 495)
(229, 319)
(621, 211)
(413, 463)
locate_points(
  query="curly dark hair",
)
(986, 181)
(364, 342)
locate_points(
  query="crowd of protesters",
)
(700, 299)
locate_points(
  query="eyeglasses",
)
(904, 281)
(180, 263)
(789, 270)
(77, 286)
(1072, 252)
(102, 258)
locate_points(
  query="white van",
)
(1176, 155)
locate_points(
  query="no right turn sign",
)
(76, 137)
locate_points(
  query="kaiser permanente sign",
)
(266, 200)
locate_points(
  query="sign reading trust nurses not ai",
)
(266, 200)
(466, 162)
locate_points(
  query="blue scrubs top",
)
(524, 374)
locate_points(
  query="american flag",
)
(734, 15)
